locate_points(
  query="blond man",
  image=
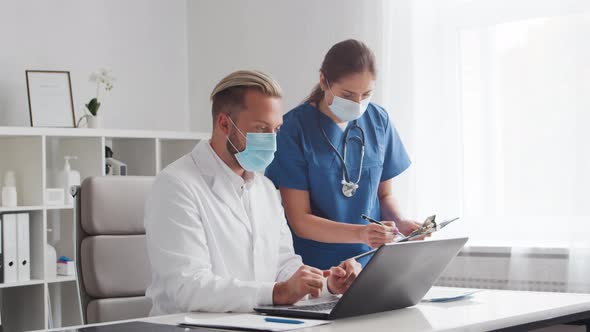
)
(217, 237)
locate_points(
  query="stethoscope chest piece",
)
(349, 188)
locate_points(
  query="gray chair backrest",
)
(113, 265)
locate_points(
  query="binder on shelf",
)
(10, 247)
(23, 247)
(1, 257)
(49, 311)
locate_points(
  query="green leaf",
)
(93, 106)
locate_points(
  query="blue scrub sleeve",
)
(289, 167)
(396, 159)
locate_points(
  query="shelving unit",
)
(37, 156)
(21, 209)
(59, 207)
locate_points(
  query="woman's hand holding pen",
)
(376, 235)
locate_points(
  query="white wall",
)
(286, 39)
(168, 55)
(143, 41)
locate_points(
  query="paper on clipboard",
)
(428, 227)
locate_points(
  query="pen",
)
(369, 219)
(282, 320)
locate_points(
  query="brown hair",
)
(228, 94)
(345, 58)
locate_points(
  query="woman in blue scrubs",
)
(336, 157)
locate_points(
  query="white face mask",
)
(348, 110)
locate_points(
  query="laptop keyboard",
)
(316, 307)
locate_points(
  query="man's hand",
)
(306, 280)
(342, 276)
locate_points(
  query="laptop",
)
(397, 276)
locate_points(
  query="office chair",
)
(112, 261)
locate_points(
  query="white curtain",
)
(498, 121)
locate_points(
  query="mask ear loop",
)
(232, 144)
(234, 124)
(329, 88)
(238, 129)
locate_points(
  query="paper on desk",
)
(250, 322)
(448, 294)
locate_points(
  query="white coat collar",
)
(221, 179)
(210, 164)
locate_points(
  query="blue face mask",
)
(347, 110)
(259, 152)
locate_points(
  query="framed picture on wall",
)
(50, 98)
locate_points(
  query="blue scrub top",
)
(305, 161)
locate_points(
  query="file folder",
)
(23, 247)
(10, 247)
(1, 256)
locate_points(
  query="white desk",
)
(487, 310)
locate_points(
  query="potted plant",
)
(102, 77)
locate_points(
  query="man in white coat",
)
(217, 237)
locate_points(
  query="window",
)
(524, 100)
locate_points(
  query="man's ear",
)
(223, 123)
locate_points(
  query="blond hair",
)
(228, 94)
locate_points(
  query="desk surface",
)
(486, 310)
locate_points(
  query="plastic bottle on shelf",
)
(68, 178)
(50, 262)
(9, 195)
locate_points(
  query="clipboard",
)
(429, 226)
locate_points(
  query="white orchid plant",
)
(102, 77)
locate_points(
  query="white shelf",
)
(21, 209)
(61, 279)
(85, 132)
(37, 156)
(59, 207)
(21, 283)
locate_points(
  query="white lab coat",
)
(206, 253)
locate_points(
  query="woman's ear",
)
(323, 84)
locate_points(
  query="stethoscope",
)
(348, 187)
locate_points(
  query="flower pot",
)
(94, 121)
